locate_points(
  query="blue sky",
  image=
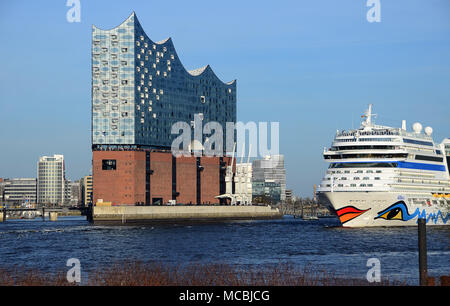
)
(311, 65)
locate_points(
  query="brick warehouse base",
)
(155, 177)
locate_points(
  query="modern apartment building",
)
(51, 180)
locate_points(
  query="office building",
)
(51, 180)
(73, 193)
(87, 190)
(289, 195)
(270, 169)
(266, 192)
(18, 191)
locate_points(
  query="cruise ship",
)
(385, 176)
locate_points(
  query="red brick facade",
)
(141, 177)
(161, 178)
(210, 178)
(126, 184)
(186, 168)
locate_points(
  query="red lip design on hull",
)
(348, 213)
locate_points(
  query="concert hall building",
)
(139, 90)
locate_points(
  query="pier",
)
(183, 213)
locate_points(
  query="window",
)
(109, 164)
(419, 142)
(429, 158)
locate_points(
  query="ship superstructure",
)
(385, 176)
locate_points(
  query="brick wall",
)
(126, 184)
(161, 179)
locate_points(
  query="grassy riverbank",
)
(157, 274)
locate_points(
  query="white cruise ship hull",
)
(369, 209)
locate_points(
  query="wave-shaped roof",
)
(168, 42)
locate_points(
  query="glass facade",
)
(270, 168)
(140, 89)
(267, 191)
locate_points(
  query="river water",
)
(320, 244)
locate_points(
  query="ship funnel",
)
(404, 125)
